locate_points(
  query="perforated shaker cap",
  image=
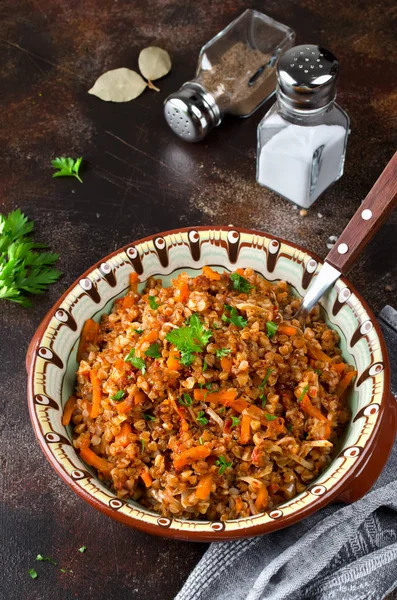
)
(307, 77)
(191, 112)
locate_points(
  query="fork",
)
(366, 221)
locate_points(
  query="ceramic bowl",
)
(51, 365)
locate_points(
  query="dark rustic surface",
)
(140, 179)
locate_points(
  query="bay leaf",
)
(154, 63)
(118, 85)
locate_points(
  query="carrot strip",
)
(339, 367)
(119, 364)
(318, 354)
(96, 394)
(96, 461)
(151, 336)
(134, 280)
(245, 431)
(190, 455)
(146, 477)
(211, 274)
(312, 411)
(216, 397)
(173, 361)
(125, 406)
(203, 489)
(89, 335)
(128, 302)
(182, 291)
(122, 437)
(226, 364)
(238, 405)
(69, 410)
(287, 329)
(240, 272)
(344, 383)
(238, 502)
(262, 499)
(139, 397)
(181, 413)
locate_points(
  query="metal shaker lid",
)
(191, 112)
(307, 76)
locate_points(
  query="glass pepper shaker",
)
(236, 73)
(302, 139)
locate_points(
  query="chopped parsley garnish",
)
(67, 167)
(289, 427)
(45, 558)
(83, 549)
(138, 331)
(201, 441)
(234, 317)
(222, 352)
(208, 385)
(263, 400)
(235, 421)
(142, 446)
(153, 351)
(205, 366)
(153, 302)
(136, 362)
(189, 339)
(118, 396)
(269, 417)
(222, 464)
(318, 371)
(264, 382)
(148, 417)
(271, 328)
(187, 400)
(222, 410)
(201, 418)
(304, 392)
(32, 573)
(240, 283)
(63, 570)
(215, 325)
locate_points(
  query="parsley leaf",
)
(67, 167)
(264, 382)
(201, 418)
(186, 400)
(118, 396)
(235, 421)
(148, 417)
(153, 302)
(32, 573)
(222, 464)
(83, 549)
(263, 400)
(23, 270)
(222, 352)
(40, 557)
(142, 446)
(136, 362)
(270, 417)
(240, 283)
(201, 441)
(205, 366)
(153, 351)
(234, 318)
(304, 392)
(271, 328)
(190, 338)
(318, 371)
(138, 331)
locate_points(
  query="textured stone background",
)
(140, 179)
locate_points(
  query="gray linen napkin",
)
(340, 553)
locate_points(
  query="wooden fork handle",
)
(366, 221)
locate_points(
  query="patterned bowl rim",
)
(218, 532)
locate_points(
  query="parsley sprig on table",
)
(189, 339)
(67, 167)
(23, 269)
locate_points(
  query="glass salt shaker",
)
(302, 139)
(236, 73)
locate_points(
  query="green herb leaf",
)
(32, 573)
(263, 400)
(201, 418)
(289, 427)
(186, 400)
(153, 302)
(201, 441)
(270, 417)
(222, 352)
(136, 362)
(142, 445)
(222, 464)
(271, 328)
(148, 417)
(118, 396)
(318, 371)
(67, 167)
(153, 351)
(189, 339)
(205, 366)
(208, 386)
(83, 549)
(264, 382)
(63, 570)
(240, 283)
(234, 317)
(138, 331)
(215, 325)
(235, 421)
(222, 410)
(304, 392)
(40, 557)
(23, 270)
